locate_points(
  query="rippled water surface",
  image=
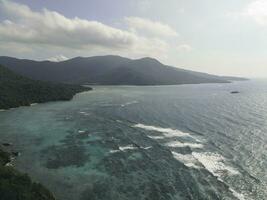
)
(160, 142)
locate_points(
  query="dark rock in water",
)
(6, 144)
(235, 92)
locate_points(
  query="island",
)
(110, 70)
(235, 92)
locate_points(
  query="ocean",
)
(151, 142)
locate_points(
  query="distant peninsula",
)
(16, 90)
(109, 70)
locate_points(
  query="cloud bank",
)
(58, 58)
(255, 10)
(26, 26)
(49, 31)
(150, 28)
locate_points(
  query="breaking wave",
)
(167, 132)
(215, 163)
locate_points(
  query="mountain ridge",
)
(108, 70)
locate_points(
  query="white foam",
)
(84, 113)
(187, 159)
(214, 163)
(81, 131)
(146, 148)
(237, 195)
(125, 148)
(167, 132)
(33, 104)
(129, 103)
(114, 151)
(156, 137)
(185, 144)
(2, 110)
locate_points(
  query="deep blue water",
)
(156, 142)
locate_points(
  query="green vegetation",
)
(17, 186)
(4, 158)
(108, 70)
(16, 90)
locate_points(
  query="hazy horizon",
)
(223, 38)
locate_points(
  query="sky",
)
(219, 37)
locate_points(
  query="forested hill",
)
(15, 185)
(16, 90)
(108, 70)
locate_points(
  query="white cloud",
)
(184, 48)
(181, 10)
(258, 11)
(150, 28)
(255, 10)
(43, 34)
(58, 58)
(27, 26)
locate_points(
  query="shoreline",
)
(15, 183)
(36, 103)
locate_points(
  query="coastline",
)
(83, 89)
(10, 177)
(15, 184)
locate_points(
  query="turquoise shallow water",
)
(158, 142)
